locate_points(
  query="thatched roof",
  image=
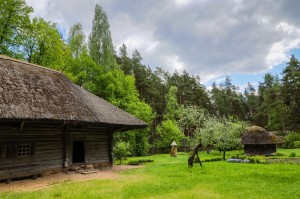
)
(173, 144)
(32, 92)
(258, 135)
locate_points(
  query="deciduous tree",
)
(14, 17)
(100, 43)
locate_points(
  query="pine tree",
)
(291, 91)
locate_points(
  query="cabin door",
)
(78, 152)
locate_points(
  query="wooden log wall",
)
(46, 148)
(51, 145)
(97, 143)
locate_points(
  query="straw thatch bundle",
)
(259, 135)
(32, 92)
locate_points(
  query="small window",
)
(24, 150)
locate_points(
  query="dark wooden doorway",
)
(78, 152)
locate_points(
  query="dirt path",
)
(46, 181)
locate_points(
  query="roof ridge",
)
(5, 57)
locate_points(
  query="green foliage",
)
(272, 105)
(168, 131)
(121, 151)
(257, 159)
(222, 134)
(215, 159)
(291, 92)
(76, 40)
(138, 162)
(190, 120)
(227, 101)
(42, 45)
(279, 154)
(124, 61)
(14, 18)
(84, 72)
(190, 91)
(293, 154)
(120, 90)
(100, 42)
(291, 139)
(297, 144)
(252, 102)
(172, 104)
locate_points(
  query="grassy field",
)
(169, 177)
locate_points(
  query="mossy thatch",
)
(31, 92)
(259, 135)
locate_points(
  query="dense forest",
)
(175, 105)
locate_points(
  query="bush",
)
(279, 154)
(297, 144)
(138, 162)
(292, 154)
(215, 153)
(121, 151)
(257, 160)
(210, 160)
(242, 156)
(291, 140)
(133, 162)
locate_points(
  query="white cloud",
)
(203, 37)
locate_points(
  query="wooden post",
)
(66, 146)
(111, 135)
(21, 126)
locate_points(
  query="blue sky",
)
(243, 39)
(241, 80)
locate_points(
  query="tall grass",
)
(170, 177)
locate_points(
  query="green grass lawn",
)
(169, 177)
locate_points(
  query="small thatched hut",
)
(259, 141)
(48, 123)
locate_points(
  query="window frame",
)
(24, 150)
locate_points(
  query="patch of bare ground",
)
(46, 181)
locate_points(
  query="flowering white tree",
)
(222, 134)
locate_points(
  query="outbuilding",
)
(48, 123)
(259, 141)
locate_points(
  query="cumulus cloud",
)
(209, 38)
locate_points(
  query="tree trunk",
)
(224, 153)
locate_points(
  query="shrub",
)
(279, 154)
(215, 153)
(210, 159)
(291, 140)
(297, 144)
(240, 156)
(138, 162)
(121, 151)
(257, 160)
(133, 162)
(292, 154)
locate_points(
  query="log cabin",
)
(47, 123)
(259, 141)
